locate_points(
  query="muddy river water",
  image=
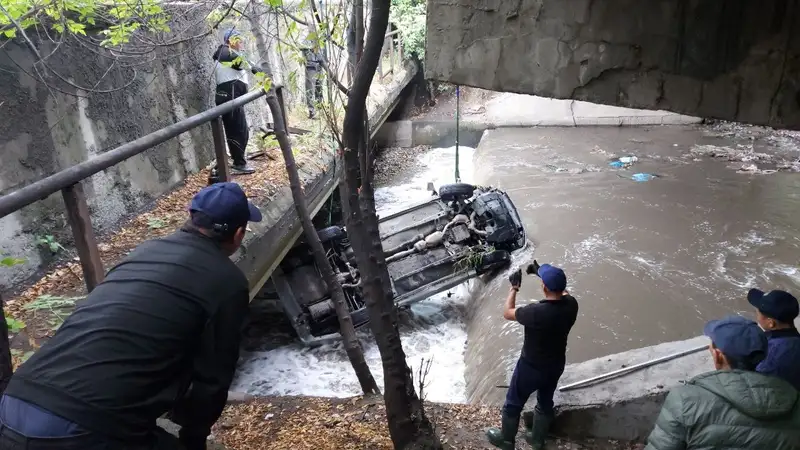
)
(648, 261)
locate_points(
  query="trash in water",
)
(642, 177)
(623, 161)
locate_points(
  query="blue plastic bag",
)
(640, 177)
(616, 164)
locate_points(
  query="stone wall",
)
(48, 127)
(729, 60)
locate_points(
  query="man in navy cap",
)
(547, 325)
(775, 314)
(161, 333)
(732, 406)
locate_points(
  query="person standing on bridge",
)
(160, 334)
(229, 63)
(547, 325)
(775, 314)
(732, 406)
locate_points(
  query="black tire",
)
(494, 260)
(331, 234)
(455, 191)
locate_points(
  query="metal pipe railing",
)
(45, 187)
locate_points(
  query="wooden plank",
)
(80, 222)
(220, 150)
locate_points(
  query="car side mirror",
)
(431, 188)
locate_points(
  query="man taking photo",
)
(161, 333)
(775, 314)
(732, 406)
(547, 325)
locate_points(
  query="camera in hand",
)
(533, 269)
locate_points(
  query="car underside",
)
(461, 232)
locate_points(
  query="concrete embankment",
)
(516, 110)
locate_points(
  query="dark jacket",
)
(167, 317)
(729, 409)
(783, 357)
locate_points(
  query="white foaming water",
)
(434, 332)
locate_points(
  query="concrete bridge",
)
(731, 60)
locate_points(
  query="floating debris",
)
(623, 162)
(641, 177)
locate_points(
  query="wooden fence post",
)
(220, 150)
(80, 222)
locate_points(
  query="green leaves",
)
(80, 16)
(274, 3)
(409, 17)
(10, 262)
(50, 243)
(14, 325)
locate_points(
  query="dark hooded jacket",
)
(729, 409)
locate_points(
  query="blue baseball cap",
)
(553, 277)
(738, 338)
(229, 33)
(779, 305)
(225, 206)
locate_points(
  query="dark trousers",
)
(237, 132)
(527, 379)
(313, 88)
(11, 440)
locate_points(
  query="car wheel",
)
(331, 234)
(494, 260)
(455, 191)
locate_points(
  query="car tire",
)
(494, 260)
(331, 234)
(456, 191)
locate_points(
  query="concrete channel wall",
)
(626, 407)
(518, 110)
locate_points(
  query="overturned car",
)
(461, 232)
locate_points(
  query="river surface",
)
(648, 261)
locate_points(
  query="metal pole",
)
(43, 188)
(633, 368)
(458, 111)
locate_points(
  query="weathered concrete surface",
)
(626, 407)
(729, 60)
(50, 127)
(519, 110)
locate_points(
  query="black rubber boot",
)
(505, 437)
(537, 426)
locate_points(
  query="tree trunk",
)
(408, 426)
(6, 364)
(351, 343)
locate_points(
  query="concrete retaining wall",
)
(518, 110)
(625, 408)
(44, 130)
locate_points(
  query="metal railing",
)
(394, 52)
(70, 181)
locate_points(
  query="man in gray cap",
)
(733, 406)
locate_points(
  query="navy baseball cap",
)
(225, 205)
(738, 338)
(779, 305)
(553, 277)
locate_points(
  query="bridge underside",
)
(734, 60)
